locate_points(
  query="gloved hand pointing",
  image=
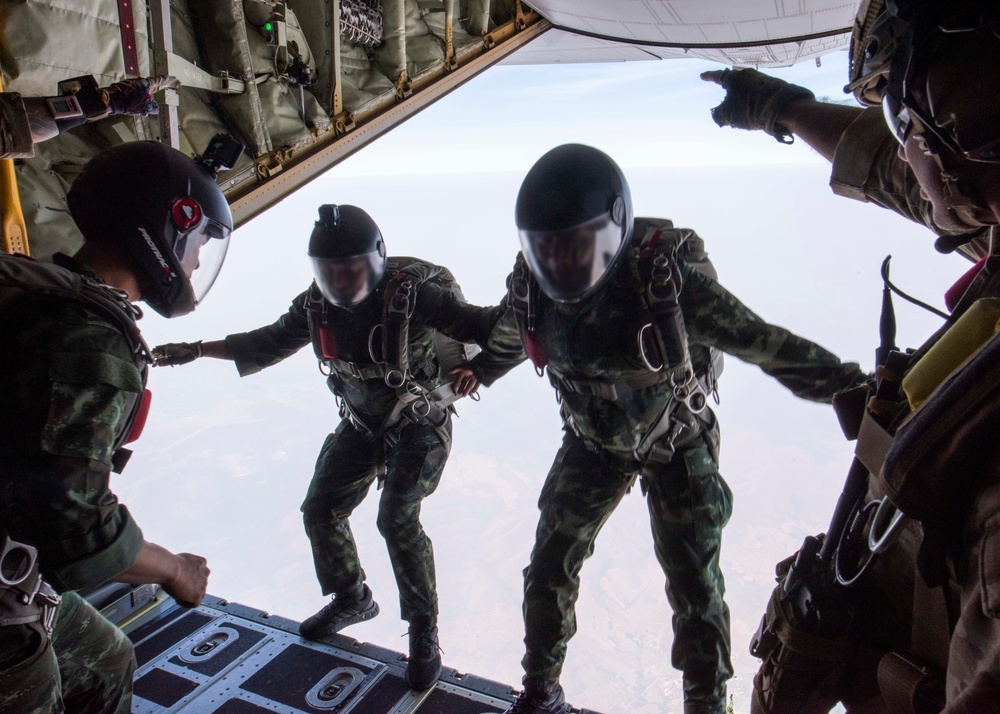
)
(754, 100)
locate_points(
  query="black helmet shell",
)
(348, 254)
(162, 208)
(343, 232)
(574, 216)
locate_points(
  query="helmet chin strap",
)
(973, 212)
(961, 200)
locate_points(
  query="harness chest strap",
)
(358, 371)
(606, 389)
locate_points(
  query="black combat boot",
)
(540, 696)
(338, 614)
(424, 665)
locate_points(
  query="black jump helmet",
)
(574, 217)
(940, 72)
(165, 211)
(348, 254)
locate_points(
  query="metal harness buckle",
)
(49, 600)
(19, 574)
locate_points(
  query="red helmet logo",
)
(186, 213)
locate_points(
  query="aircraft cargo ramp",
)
(226, 658)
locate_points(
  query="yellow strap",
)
(964, 338)
(15, 232)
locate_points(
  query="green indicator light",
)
(268, 26)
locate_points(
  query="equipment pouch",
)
(802, 667)
(849, 406)
(941, 449)
(970, 332)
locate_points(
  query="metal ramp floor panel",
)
(225, 658)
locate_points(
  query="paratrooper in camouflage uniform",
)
(66, 377)
(406, 452)
(350, 457)
(72, 378)
(926, 148)
(622, 418)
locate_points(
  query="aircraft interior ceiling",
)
(305, 83)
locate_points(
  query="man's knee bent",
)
(398, 524)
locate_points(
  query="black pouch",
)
(936, 455)
(802, 664)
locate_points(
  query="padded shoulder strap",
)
(22, 277)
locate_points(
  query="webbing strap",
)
(908, 687)
(126, 23)
(523, 295)
(400, 299)
(873, 443)
(13, 229)
(358, 371)
(606, 389)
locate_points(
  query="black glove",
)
(134, 96)
(754, 100)
(177, 353)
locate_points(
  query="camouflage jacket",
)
(436, 309)
(596, 339)
(867, 168)
(68, 380)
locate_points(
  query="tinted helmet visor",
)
(345, 282)
(200, 245)
(569, 263)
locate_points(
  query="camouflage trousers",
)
(345, 470)
(689, 503)
(973, 681)
(85, 667)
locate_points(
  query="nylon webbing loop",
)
(358, 371)
(399, 302)
(127, 25)
(873, 443)
(908, 687)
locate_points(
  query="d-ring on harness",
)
(661, 298)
